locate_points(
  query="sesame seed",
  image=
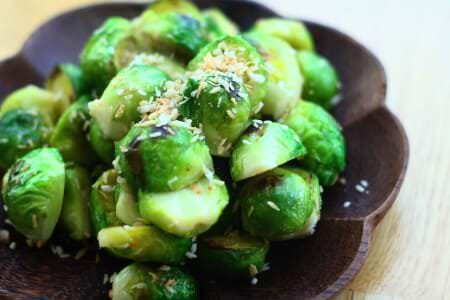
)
(266, 267)
(12, 246)
(321, 189)
(273, 205)
(347, 204)
(244, 141)
(4, 236)
(360, 188)
(259, 107)
(342, 180)
(285, 127)
(139, 286)
(250, 211)
(155, 134)
(164, 268)
(364, 183)
(254, 281)
(5, 208)
(231, 114)
(107, 188)
(171, 181)
(105, 278)
(191, 255)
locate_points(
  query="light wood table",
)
(410, 252)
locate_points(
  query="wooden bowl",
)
(316, 267)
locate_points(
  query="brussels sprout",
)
(20, 132)
(285, 80)
(66, 82)
(233, 54)
(117, 109)
(140, 281)
(321, 80)
(75, 210)
(69, 136)
(96, 60)
(33, 191)
(162, 158)
(323, 139)
(144, 243)
(129, 54)
(266, 146)
(179, 6)
(37, 101)
(293, 32)
(218, 25)
(277, 205)
(126, 206)
(101, 203)
(169, 33)
(102, 146)
(187, 212)
(220, 103)
(234, 255)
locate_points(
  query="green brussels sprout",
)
(233, 54)
(126, 205)
(117, 109)
(35, 100)
(33, 191)
(140, 281)
(220, 103)
(101, 202)
(187, 212)
(20, 132)
(128, 54)
(66, 82)
(293, 32)
(323, 139)
(169, 33)
(144, 243)
(75, 210)
(97, 57)
(278, 205)
(235, 255)
(102, 146)
(179, 6)
(162, 158)
(217, 24)
(321, 80)
(70, 135)
(266, 146)
(284, 78)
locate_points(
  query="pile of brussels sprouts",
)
(177, 138)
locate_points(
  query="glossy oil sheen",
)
(317, 267)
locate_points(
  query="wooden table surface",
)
(409, 256)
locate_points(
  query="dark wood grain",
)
(317, 267)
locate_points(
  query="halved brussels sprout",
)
(220, 103)
(117, 109)
(233, 54)
(187, 212)
(277, 205)
(70, 134)
(144, 243)
(323, 139)
(162, 158)
(97, 58)
(75, 210)
(234, 255)
(128, 54)
(293, 32)
(140, 281)
(266, 146)
(169, 33)
(126, 203)
(101, 203)
(217, 24)
(321, 80)
(102, 146)
(179, 6)
(66, 82)
(285, 80)
(35, 100)
(20, 132)
(33, 191)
